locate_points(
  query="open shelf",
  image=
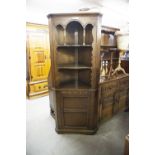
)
(68, 46)
(108, 39)
(73, 66)
(74, 55)
(74, 33)
(74, 78)
(108, 59)
(88, 34)
(108, 46)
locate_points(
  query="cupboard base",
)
(80, 131)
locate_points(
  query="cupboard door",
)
(39, 65)
(74, 109)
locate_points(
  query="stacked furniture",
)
(38, 59)
(74, 73)
(85, 84)
(114, 81)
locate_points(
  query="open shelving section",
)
(109, 52)
(74, 52)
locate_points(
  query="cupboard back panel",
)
(65, 56)
(85, 56)
(65, 76)
(85, 76)
(60, 35)
(89, 36)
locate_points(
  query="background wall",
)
(115, 12)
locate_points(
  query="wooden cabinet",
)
(74, 74)
(113, 87)
(109, 52)
(113, 96)
(108, 37)
(126, 145)
(38, 59)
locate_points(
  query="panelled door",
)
(38, 52)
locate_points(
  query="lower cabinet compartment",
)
(75, 120)
(75, 111)
(113, 97)
(79, 110)
(75, 103)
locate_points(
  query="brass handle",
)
(45, 86)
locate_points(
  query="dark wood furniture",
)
(126, 145)
(114, 81)
(113, 96)
(109, 52)
(108, 37)
(74, 74)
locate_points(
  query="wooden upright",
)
(74, 74)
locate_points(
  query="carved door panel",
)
(39, 64)
(116, 103)
(74, 109)
(107, 99)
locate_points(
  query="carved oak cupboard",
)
(74, 74)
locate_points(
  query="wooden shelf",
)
(124, 59)
(61, 46)
(73, 67)
(110, 59)
(108, 46)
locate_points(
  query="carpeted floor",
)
(43, 140)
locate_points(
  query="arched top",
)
(59, 26)
(74, 32)
(88, 24)
(75, 22)
(60, 34)
(89, 34)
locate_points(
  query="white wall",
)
(115, 13)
